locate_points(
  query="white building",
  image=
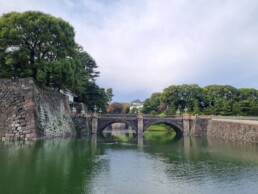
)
(136, 104)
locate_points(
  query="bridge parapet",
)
(250, 118)
(116, 115)
(161, 117)
(137, 115)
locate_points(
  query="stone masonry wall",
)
(53, 114)
(28, 112)
(222, 129)
(17, 109)
(233, 131)
(199, 125)
(82, 125)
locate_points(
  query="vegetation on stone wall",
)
(38, 45)
(210, 100)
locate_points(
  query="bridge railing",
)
(161, 116)
(135, 115)
(117, 115)
(251, 118)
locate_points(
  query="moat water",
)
(129, 164)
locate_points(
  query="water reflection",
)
(47, 166)
(137, 165)
(119, 135)
(160, 137)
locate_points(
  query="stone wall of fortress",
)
(233, 130)
(28, 112)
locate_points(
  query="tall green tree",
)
(183, 95)
(109, 94)
(94, 96)
(212, 99)
(152, 104)
(196, 107)
(38, 45)
(171, 110)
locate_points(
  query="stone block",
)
(23, 124)
(31, 127)
(27, 139)
(26, 132)
(28, 135)
(22, 136)
(8, 135)
(33, 135)
(21, 97)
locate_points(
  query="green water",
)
(111, 165)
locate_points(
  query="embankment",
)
(28, 112)
(235, 130)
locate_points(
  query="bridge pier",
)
(94, 124)
(140, 123)
(140, 141)
(186, 124)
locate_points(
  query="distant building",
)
(136, 104)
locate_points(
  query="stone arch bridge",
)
(140, 122)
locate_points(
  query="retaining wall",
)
(233, 131)
(28, 112)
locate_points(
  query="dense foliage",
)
(38, 45)
(213, 99)
(118, 108)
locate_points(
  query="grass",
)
(160, 133)
(159, 127)
(120, 137)
(159, 136)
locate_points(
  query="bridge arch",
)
(103, 125)
(178, 129)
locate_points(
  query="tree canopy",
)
(38, 45)
(213, 99)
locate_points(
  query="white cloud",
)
(143, 46)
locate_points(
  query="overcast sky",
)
(144, 46)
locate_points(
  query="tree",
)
(171, 110)
(134, 110)
(152, 104)
(38, 45)
(226, 108)
(183, 95)
(115, 107)
(196, 108)
(109, 94)
(93, 96)
(126, 108)
(217, 93)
